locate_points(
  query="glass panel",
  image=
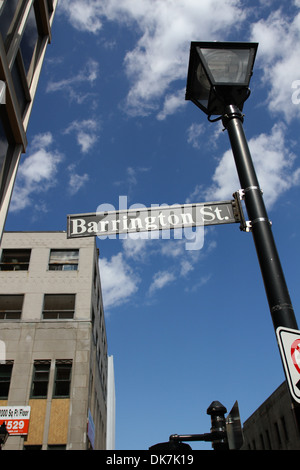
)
(204, 89)
(3, 147)
(12, 315)
(58, 315)
(227, 65)
(19, 87)
(63, 256)
(50, 6)
(62, 380)
(15, 260)
(5, 375)
(11, 307)
(40, 380)
(29, 40)
(59, 301)
(63, 260)
(6, 16)
(11, 302)
(58, 306)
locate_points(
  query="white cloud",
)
(136, 245)
(86, 133)
(166, 28)
(118, 281)
(274, 164)
(193, 134)
(132, 177)
(70, 86)
(82, 14)
(76, 182)
(36, 174)
(278, 57)
(160, 280)
(160, 56)
(171, 104)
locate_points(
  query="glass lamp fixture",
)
(219, 74)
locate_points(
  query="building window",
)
(11, 307)
(7, 13)
(57, 447)
(63, 260)
(7, 148)
(15, 260)
(58, 306)
(29, 40)
(32, 447)
(50, 6)
(27, 57)
(5, 376)
(62, 380)
(40, 380)
(19, 81)
(3, 147)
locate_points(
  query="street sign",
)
(16, 419)
(289, 346)
(155, 218)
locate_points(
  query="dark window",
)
(11, 307)
(29, 40)
(40, 379)
(63, 260)
(59, 306)
(3, 146)
(32, 447)
(7, 145)
(7, 12)
(20, 84)
(62, 380)
(50, 6)
(56, 447)
(5, 376)
(15, 260)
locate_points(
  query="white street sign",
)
(289, 345)
(152, 218)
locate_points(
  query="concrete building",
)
(25, 32)
(54, 345)
(275, 425)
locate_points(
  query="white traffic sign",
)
(289, 346)
(152, 218)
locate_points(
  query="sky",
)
(186, 312)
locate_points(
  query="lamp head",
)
(219, 74)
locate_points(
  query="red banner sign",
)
(16, 419)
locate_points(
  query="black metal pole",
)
(276, 289)
(217, 411)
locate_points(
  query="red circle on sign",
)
(295, 352)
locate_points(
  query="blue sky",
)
(110, 125)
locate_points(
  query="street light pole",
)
(218, 83)
(276, 289)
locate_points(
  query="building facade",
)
(25, 32)
(275, 425)
(54, 345)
